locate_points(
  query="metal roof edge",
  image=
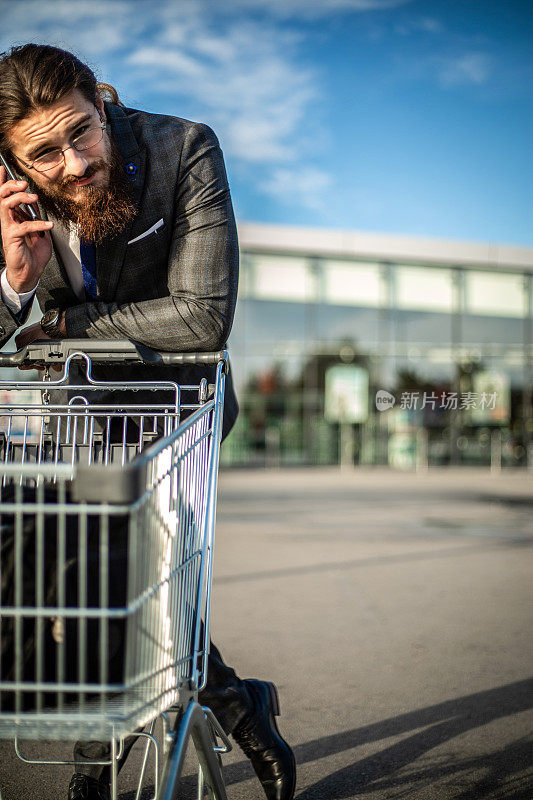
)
(381, 246)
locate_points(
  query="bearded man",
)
(135, 239)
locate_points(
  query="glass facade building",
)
(377, 349)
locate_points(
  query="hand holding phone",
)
(12, 177)
(26, 248)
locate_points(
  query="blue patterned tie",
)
(88, 269)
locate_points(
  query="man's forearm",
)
(165, 323)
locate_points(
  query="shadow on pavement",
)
(446, 721)
(440, 723)
(396, 558)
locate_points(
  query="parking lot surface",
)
(393, 611)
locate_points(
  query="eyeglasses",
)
(53, 158)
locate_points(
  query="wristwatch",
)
(50, 323)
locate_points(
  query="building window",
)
(424, 288)
(282, 278)
(352, 284)
(495, 294)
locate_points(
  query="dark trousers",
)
(225, 694)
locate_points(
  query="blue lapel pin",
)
(131, 170)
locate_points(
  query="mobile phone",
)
(11, 175)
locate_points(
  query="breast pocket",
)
(145, 272)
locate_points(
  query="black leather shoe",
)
(83, 787)
(259, 739)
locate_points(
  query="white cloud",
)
(470, 68)
(429, 25)
(246, 76)
(316, 8)
(307, 186)
(241, 70)
(163, 63)
(92, 27)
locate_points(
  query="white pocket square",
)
(153, 229)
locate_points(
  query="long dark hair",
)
(34, 76)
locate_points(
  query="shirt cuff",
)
(13, 300)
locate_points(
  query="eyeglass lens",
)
(85, 141)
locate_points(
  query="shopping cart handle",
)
(56, 351)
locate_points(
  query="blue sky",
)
(395, 116)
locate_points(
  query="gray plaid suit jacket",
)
(175, 288)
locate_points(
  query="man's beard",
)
(98, 212)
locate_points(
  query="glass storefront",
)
(443, 347)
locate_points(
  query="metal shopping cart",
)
(107, 522)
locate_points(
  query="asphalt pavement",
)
(393, 611)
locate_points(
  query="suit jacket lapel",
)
(111, 253)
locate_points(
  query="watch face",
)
(50, 317)
(49, 321)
